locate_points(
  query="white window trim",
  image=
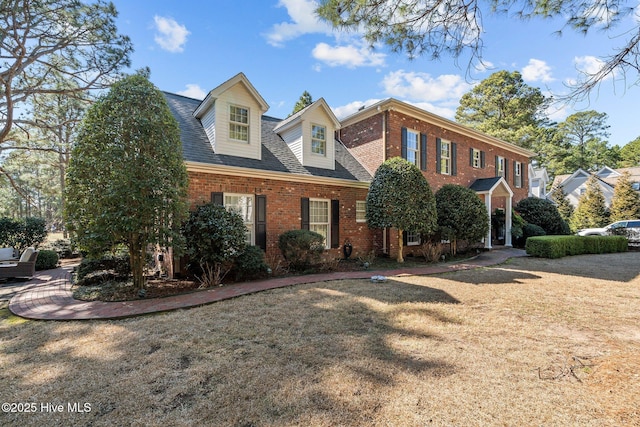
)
(517, 179)
(415, 150)
(363, 210)
(251, 224)
(411, 242)
(445, 160)
(477, 159)
(246, 125)
(327, 240)
(501, 164)
(324, 154)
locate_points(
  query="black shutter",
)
(423, 151)
(304, 213)
(482, 159)
(497, 166)
(405, 238)
(506, 170)
(454, 159)
(438, 154)
(217, 199)
(403, 151)
(471, 157)
(335, 223)
(261, 222)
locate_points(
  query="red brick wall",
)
(283, 206)
(364, 140)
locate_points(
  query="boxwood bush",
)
(301, 248)
(46, 260)
(560, 246)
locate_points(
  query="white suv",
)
(629, 229)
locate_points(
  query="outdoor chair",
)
(24, 267)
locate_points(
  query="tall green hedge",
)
(560, 246)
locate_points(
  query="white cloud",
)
(350, 56)
(303, 21)
(422, 87)
(352, 107)
(537, 71)
(193, 91)
(170, 35)
(588, 64)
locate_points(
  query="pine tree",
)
(625, 203)
(565, 208)
(592, 210)
(304, 101)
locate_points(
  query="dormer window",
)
(239, 123)
(318, 139)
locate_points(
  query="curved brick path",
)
(48, 295)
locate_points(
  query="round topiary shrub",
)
(301, 248)
(532, 230)
(46, 260)
(544, 214)
(250, 264)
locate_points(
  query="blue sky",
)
(192, 47)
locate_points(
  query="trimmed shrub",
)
(301, 248)
(46, 260)
(560, 246)
(62, 247)
(532, 230)
(109, 266)
(250, 264)
(543, 213)
(22, 233)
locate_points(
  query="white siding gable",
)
(215, 115)
(297, 132)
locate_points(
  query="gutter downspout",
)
(385, 249)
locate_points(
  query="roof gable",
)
(296, 118)
(215, 93)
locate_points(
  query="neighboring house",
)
(445, 151)
(295, 174)
(575, 185)
(538, 181)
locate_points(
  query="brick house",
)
(446, 153)
(312, 171)
(278, 174)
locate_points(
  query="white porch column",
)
(508, 222)
(487, 203)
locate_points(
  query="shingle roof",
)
(276, 155)
(484, 184)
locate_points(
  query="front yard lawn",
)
(530, 342)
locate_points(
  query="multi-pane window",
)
(238, 123)
(413, 150)
(476, 158)
(445, 157)
(500, 170)
(517, 171)
(413, 239)
(318, 139)
(361, 211)
(242, 204)
(319, 218)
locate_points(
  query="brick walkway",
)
(48, 295)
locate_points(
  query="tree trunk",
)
(136, 257)
(400, 259)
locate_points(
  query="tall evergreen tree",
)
(504, 106)
(127, 182)
(587, 133)
(304, 101)
(625, 203)
(565, 208)
(592, 209)
(400, 197)
(630, 154)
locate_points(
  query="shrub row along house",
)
(312, 171)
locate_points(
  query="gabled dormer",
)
(310, 135)
(607, 172)
(231, 116)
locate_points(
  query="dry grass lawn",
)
(530, 342)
